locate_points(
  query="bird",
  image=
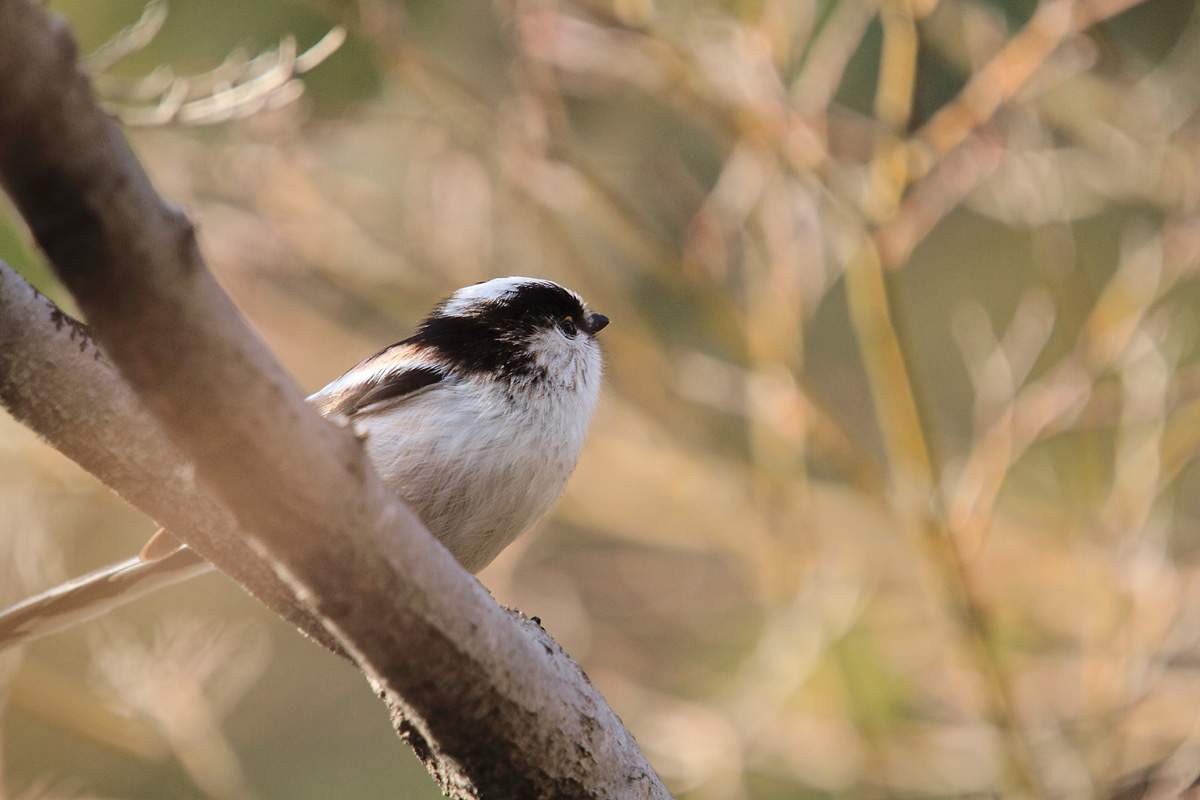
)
(476, 421)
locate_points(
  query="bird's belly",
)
(475, 484)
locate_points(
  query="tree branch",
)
(489, 704)
(55, 380)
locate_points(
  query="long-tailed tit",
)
(476, 422)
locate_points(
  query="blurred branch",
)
(828, 55)
(1007, 72)
(488, 701)
(538, 29)
(1026, 414)
(184, 684)
(939, 193)
(239, 87)
(236, 89)
(130, 39)
(913, 491)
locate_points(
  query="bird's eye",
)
(567, 326)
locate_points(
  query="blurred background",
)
(891, 491)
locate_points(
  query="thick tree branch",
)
(495, 710)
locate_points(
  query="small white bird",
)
(476, 422)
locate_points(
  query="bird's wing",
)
(347, 398)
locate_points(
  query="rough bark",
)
(490, 704)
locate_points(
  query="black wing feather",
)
(392, 386)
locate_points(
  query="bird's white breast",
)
(480, 463)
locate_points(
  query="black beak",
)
(598, 323)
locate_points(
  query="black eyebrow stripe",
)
(391, 386)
